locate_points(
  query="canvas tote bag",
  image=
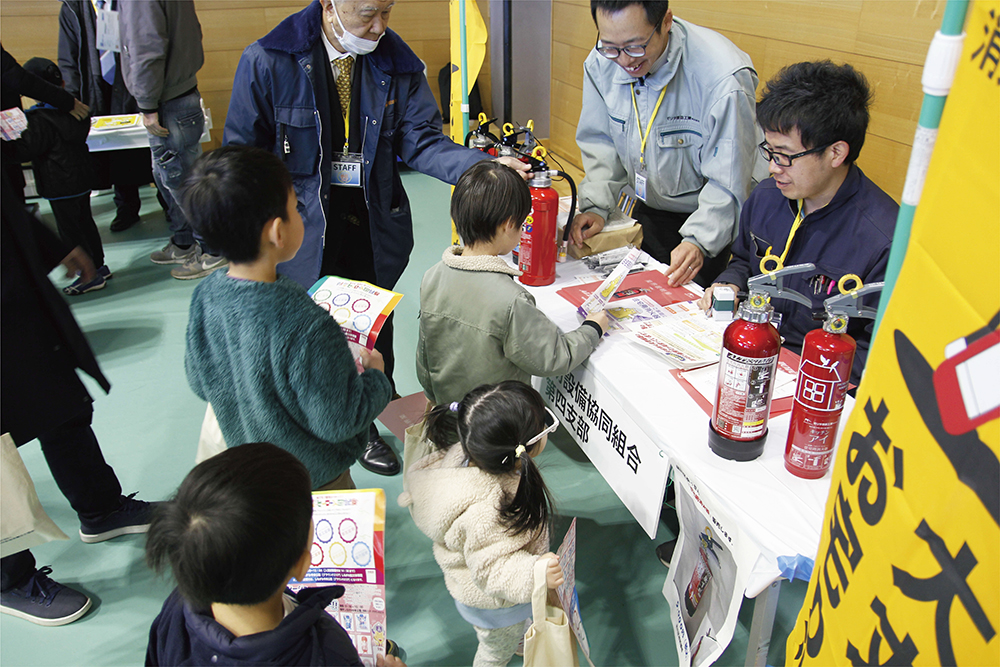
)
(210, 442)
(549, 641)
(23, 522)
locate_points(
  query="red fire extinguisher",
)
(823, 378)
(747, 367)
(539, 245)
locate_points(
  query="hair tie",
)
(454, 406)
(519, 450)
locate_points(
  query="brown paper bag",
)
(618, 238)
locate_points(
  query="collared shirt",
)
(333, 54)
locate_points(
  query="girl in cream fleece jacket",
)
(483, 503)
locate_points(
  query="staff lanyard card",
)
(347, 170)
(640, 184)
(107, 30)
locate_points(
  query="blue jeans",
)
(174, 154)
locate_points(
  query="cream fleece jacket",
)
(455, 505)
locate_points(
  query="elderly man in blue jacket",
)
(338, 96)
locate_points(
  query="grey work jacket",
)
(702, 149)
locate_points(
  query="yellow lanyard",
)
(347, 129)
(791, 234)
(642, 145)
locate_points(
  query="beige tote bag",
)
(23, 522)
(549, 641)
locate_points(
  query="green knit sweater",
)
(276, 368)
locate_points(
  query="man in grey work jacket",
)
(694, 92)
(290, 94)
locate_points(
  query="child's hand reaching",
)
(554, 574)
(601, 318)
(372, 359)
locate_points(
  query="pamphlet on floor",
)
(348, 550)
(359, 307)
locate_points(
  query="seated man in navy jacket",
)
(818, 206)
(338, 96)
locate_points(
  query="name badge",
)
(640, 185)
(107, 31)
(347, 170)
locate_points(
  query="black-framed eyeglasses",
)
(632, 50)
(783, 160)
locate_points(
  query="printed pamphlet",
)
(348, 550)
(360, 308)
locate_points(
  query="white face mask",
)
(354, 44)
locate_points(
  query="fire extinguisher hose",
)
(572, 206)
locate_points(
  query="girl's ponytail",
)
(528, 509)
(441, 424)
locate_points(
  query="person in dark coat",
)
(56, 144)
(334, 79)
(14, 82)
(41, 397)
(238, 529)
(95, 77)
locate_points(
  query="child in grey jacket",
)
(477, 324)
(485, 506)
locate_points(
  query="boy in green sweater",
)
(274, 366)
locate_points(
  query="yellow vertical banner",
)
(475, 46)
(908, 568)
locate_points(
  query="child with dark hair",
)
(239, 528)
(56, 145)
(477, 324)
(485, 506)
(818, 206)
(273, 365)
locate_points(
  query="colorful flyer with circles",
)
(360, 308)
(348, 550)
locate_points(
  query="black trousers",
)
(77, 227)
(352, 257)
(661, 234)
(81, 473)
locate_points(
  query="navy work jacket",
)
(275, 106)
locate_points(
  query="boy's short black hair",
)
(827, 103)
(238, 524)
(44, 69)
(231, 193)
(487, 195)
(655, 9)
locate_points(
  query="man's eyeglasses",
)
(632, 50)
(551, 424)
(783, 160)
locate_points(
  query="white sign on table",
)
(624, 455)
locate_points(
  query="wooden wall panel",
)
(31, 28)
(887, 41)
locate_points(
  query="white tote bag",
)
(23, 522)
(549, 641)
(211, 441)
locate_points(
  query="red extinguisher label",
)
(744, 395)
(820, 394)
(524, 253)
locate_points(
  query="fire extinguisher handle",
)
(773, 284)
(849, 304)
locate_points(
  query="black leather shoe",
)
(665, 551)
(379, 457)
(123, 221)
